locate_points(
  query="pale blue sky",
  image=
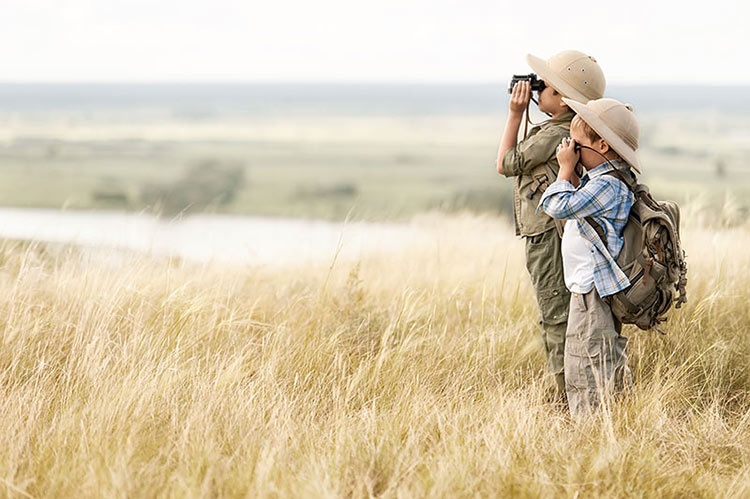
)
(349, 41)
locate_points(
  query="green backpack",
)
(651, 257)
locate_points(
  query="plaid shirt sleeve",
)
(596, 197)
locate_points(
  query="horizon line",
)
(336, 83)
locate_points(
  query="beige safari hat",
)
(615, 122)
(573, 74)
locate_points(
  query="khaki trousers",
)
(544, 263)
(595, 354)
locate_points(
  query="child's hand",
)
(568, 158)
(520, 97)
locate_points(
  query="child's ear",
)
(604, 146)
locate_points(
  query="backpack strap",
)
(625, 178)
(598, 228)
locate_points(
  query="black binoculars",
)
(537, 85)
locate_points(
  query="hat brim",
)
(626, 152)
(541, 68)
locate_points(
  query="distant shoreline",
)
(341, 98)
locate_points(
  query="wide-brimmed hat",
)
(615, 122)
(573, 74)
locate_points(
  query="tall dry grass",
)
(408, 374)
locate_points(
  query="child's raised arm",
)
(519, 101)
(563, 201)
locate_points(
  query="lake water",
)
(206, 238)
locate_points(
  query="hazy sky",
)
(350, 41)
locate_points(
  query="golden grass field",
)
(407, 374)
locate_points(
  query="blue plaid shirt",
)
(607, 200)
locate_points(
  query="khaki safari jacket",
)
(523, 162)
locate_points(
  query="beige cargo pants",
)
(544, 263)
(595, 354)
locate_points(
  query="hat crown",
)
(580, 71)
(615, 122)
(619, 118)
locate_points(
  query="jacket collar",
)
(565, 118)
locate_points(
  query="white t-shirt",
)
(578, 260)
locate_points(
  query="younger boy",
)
(603, 139)
(533, 165)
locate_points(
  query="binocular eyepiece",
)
(537, 85)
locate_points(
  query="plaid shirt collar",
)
(602, 168)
